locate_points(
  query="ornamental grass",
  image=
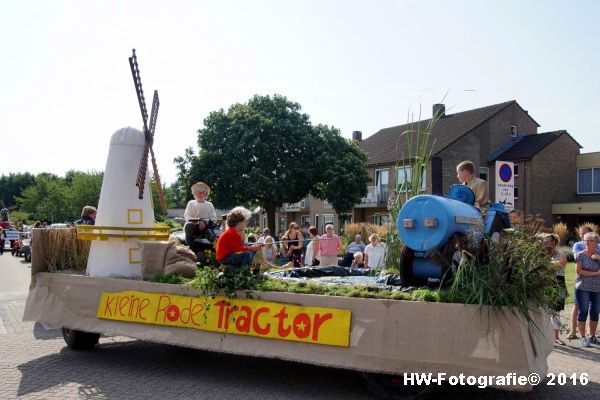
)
(62, 250)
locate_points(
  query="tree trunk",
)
(270, 208)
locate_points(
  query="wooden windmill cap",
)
(201, 186)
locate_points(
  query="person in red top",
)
(231, 249)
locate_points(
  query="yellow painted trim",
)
(576, 208)
(131, 251)
(589, 160)
(94, 232)
(130, 212)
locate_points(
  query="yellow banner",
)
(235, 316)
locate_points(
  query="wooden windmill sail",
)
(148, 133)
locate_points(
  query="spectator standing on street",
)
(329, 247)
(88, 216)
(578, 248)
(560, 261)
(351, 249)
(312, 256)
(375, 252)
(587, 288)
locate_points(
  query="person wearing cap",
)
(197, 211)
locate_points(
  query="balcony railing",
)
(376, 196)
(293, 207)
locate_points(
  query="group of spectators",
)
(587, 286)
(320, 250)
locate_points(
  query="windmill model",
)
(125, 216)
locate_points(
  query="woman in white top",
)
(375, 252)
(312, 257)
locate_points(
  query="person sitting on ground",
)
(358, 260)
(88, 216)
(375, 252)
(578, 248)
(465, 172)
(329, 247)
(560, 261)
(351, 249)
(231, 249)
(198, 212)
(312, 257)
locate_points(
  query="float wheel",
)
(80, 340)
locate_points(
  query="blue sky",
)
(357, 65)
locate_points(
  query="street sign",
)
(505, 184)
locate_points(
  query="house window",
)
(317, 220)
(327, 219)
(516, 193)
(382, 180)
(381, 219)
(484, 173)
(282, 225)
(404, 178)
(514, 130)
(516, 170)
(588, 180)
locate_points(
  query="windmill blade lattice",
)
(148, 133)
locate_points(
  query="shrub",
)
(365, 229)
(562, 231)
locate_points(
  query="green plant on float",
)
(519, 277)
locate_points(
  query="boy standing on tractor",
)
(231, 249)
(465, 172)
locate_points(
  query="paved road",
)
(36, 364)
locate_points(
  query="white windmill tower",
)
(124, 215)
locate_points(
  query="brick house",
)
(545, 164)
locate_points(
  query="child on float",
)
(283, 252)
(270, 250)
(231, 249)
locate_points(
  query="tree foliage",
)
(56, 199)
(11, 185)
(266, 152)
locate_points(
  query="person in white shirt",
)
(198, 212)
(375, 252)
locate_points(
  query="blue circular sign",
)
(505, 172)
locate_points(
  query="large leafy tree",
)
(266, 152)
(12, 185)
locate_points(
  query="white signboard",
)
(505, 184)
(12, 235)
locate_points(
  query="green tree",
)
(342, 169)
(84, 189)
(181, 188)
(49, 199)
(267, 152)
(12, 185)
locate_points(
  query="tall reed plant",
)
(411, 171)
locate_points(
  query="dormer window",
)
(514, 130)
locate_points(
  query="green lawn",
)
(570, 280)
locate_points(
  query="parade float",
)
(382, 337)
